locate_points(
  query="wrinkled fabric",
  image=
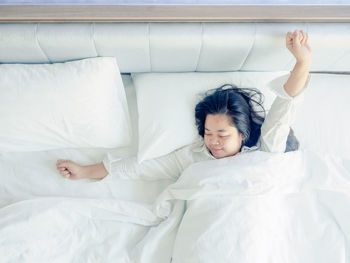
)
(256, 207)
(264, 207)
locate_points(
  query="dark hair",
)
(245, 109)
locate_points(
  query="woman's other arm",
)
(169, 166)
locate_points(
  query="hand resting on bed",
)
(72, 170)
(222, 135)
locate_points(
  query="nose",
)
(214, 141)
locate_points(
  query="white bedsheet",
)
(33, 174)
(47, 218)
(255, 207)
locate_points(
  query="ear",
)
(242, 136)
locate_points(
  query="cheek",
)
(232, 143)
(228, 143)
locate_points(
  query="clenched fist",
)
(297, 44)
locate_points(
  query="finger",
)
(61, 165)
(303, 37)
(289, 38)
(65, 173)
(307, 38)
(62, 169)
(296, 38)
(60, 161)
(64, 163)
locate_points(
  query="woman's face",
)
(221, 138)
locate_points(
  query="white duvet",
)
(254, 207)
(266, 208)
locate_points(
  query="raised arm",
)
(276, 127)
(297, 44)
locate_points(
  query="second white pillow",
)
(166, 103)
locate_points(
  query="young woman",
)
(229, 122)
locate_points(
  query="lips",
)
(216, 150)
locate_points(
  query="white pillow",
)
(166, 103)
(75, 104)
(322, 121)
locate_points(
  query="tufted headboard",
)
(176, 47)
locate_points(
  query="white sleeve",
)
(275, 129)
(169, 166)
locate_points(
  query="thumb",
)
(289, 39)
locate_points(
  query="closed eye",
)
(221, 136)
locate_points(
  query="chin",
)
(222, 154)
(219, 154)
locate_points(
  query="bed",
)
(302, 216)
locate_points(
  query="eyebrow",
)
(217, 130)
